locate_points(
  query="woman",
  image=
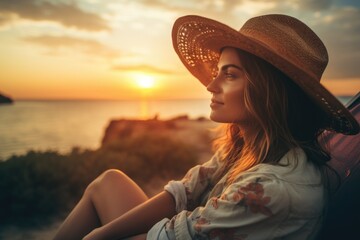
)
(267, 177)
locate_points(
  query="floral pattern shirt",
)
(265, 202)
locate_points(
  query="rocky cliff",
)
(5, 99)
(196, 132)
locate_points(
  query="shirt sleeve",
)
(189, 191)
(254, 202)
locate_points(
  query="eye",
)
(229, 75)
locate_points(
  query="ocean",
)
(62, 125)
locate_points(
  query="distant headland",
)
(5, 99)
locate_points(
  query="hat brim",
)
(198, 42)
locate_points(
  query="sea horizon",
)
(114, 99)
(62, 124)
(340, 96)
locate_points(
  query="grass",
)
(39, 186)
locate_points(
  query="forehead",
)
(229, 56)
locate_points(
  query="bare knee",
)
(114, 181)
(112, 176)
(112, 194)
(109, 178)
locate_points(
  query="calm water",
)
(61, 125)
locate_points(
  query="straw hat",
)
(283, 41)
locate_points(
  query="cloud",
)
(227, 6)
(340, 30)
(5, 19)
(336, 23)
(311, 4)
(87, 46)
(67, 14)
(290, 4)
(142, 68)
(204, 7)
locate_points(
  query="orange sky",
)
(92, 49)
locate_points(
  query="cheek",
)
(235, 97)
(236, 105)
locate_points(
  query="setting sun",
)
(145, 81)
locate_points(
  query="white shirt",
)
(265, 202)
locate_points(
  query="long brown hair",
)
(285, 117)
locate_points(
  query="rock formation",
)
(4, 99)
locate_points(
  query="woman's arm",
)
(138, 220)
(255, 201)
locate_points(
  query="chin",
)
(219, 119)
(222, 118)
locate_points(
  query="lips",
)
(213, 100)
(215, 103)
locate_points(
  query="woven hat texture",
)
(283, 41)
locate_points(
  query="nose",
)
(213, 86)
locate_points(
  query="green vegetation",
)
(38, 186)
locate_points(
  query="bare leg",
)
(106, 198)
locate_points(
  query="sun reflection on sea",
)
(145, 83)
(144, 109)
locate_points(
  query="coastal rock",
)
(196, 132)
(5, 99)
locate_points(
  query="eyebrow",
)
(225, 67)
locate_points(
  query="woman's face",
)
(227, 88)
